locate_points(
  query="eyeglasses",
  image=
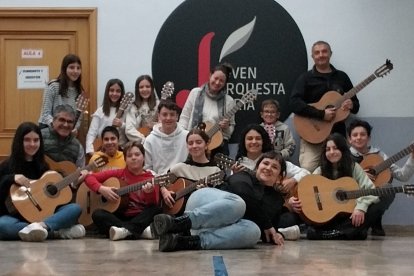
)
(269, 112)
(63, 121)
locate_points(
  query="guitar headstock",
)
(215, 179)
(384, 69)
(408, 189)
(250, 96)
(126, 100)
(81, 103)
(166, 179)
(99, 162)
(223, 161)
(167, 90)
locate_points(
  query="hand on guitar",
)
(287, 185)
(273, 236)
(148, 188)
(295, 204)
(237, 167)
(168, 197)
(108, 193)
(81, 178)
(329, 114)
(357, 217)
(224, 123)
(371, 176)
(75, 132)
(116, 122)
(21, 180)
(347, 105)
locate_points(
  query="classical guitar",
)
(65, 168)
(125, 102)
(91, 201)
(376, 165)
(225, 162)
(81, 104)
(182, 187)
(213, 129)
(322, 199)
(315, 131)
(40, 199)
(166, 93)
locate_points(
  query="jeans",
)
(136, 225)
(64, 217)
(216, 218)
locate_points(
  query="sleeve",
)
(362, 203)
(93, 132)
(187, 111)
(49, 95)
(289, 144)
(80, 161)
(148, 155)
(230, 103)
(6, 177)
(406, 172)
(295, 172)
(95, 180)
(297, 101)
(132, 122)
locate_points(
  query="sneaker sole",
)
(36, 235)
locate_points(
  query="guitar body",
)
(178, 185)
(43, 200)
(372, 160)
(145, 130)
(216, 138)
(97, 144)
(313, 130)
(65, 168)
(91, 201)
(319, 201)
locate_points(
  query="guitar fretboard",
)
(391, 160)
(386, 191)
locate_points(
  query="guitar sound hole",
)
(341, 195)
(51, 189)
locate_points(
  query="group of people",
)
(254, 201)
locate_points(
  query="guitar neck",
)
(355, 90)
(216, 127)
(138, 186)
(394, 158)
(119, 113)
(213, 179)
(77, 116)
(366, 192)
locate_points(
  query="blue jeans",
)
(64, 217)
(216, 217)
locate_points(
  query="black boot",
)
(174, 242)
(317, 234)
(377, 229)
(167, 224)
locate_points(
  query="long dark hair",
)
(17, 157)
(267, 144)
(63, 79)
(345, 165)
(152, 101)
(106, 103)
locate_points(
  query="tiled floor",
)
(391, 255)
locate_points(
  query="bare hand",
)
(273, 236)
(117, 122)
(371, 176)
(224, 124)
(148, 188)
(329, 114)
(109, 193)
(357, 217)
(236, 167)
(21, 180)
(288, 184)
(168, 197)
(347, 105)
(295, 204)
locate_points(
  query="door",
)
(32, 45)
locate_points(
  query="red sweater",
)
(138, 200)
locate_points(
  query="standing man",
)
(309, 88)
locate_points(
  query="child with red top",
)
(142, 205)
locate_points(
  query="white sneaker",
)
(75, 232)
(118, 233)
(33, 232)
(291, 233)
(149, 233)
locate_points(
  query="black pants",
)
(136, 225)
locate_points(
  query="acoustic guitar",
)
(376, 165)
(65, 168)
(314, 130)
(125, 102)
(40, 199)
(322, 199)
(81, 104)
(182, 187)
(213, 129)
(91, 201)
(166, 93)
(225, 162)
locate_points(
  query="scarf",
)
(199, 103)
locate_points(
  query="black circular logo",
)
(257, 37)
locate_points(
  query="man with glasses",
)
(60, 143)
